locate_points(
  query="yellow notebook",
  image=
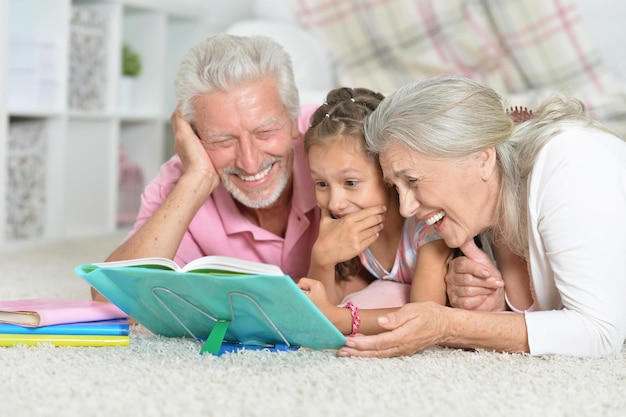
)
(63, 340)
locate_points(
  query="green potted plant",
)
(131, 68)
(131, 62)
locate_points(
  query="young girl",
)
(361, 225)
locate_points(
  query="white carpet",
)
(167, 377)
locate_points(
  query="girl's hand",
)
(342, 239)
(411, 329)
(316, 292)
(339, 316)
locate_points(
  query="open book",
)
(226, 301)
(206, 264)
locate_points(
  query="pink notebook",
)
(47, 311)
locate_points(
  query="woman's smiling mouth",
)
(435, 218)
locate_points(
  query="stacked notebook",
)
(62, 323)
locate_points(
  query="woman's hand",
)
(473, 282)
(413, 328)
(342, 239)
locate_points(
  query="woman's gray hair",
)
(452, 117)
(223, 61)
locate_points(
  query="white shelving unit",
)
(4, 36)
(61, 125)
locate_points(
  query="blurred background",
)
(86, 86)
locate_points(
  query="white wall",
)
(606, 20)
(222, 13)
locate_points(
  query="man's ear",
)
(295, 132)
(487, 162)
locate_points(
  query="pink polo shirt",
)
(219, 228)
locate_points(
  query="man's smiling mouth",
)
(258, 176)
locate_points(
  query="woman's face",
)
(455, 195)
(345, 179)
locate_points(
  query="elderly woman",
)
(549, 193)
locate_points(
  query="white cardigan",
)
(577, 242)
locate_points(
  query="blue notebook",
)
(115, 327)
(256, 310)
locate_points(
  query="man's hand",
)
(190, 150)
(162, 233)
(473, 282)
(96, 296)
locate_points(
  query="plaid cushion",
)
(524, 49)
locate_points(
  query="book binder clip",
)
(215, 342)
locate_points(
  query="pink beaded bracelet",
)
(356, 320)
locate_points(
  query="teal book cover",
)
(259, 309)
(114, 327)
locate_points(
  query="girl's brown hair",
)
(343, 114)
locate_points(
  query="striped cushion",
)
(524, 49)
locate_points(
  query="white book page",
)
(141, 262)
(229, 264)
